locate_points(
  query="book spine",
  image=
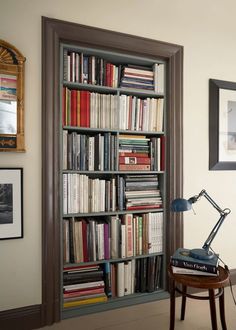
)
(134, 167)
(134, 160)
(193, 265)
(85, 302)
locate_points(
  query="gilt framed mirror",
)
(12, 136)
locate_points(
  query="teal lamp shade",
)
(181, 205)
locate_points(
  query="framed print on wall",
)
(222, 125)
(11, 203)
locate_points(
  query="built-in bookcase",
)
(113, 178)
(114, 164)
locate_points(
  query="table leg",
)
(222, 310)
(213, 309)
(183, 305)
(172, 305)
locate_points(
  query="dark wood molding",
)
(53, 33)
(24, 318)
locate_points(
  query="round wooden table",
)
(210, 283)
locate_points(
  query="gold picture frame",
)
(12, 136)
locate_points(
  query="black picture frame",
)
(222, 125)
(11, 203)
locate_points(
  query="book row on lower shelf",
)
(83, 108)
(83, 194)
(109, 152)
(96, 283)
(112, 237)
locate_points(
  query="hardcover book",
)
(187, 271)
(181, 258)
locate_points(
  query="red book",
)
(108, 74)
(112, 75)
(84, 108)
(73, 107)
(134, 160)
(128, 221)
(87, 109)
(83, 292)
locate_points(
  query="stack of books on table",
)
(182, 263)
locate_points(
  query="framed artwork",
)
(11, 203)
(222, 125)
(11, 98)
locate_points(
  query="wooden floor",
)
(152, 316)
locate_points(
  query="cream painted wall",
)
(207, 31)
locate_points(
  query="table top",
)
(202, 282)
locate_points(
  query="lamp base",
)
(201, 254)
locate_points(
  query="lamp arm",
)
(206, 245)
(223, 214)
(210, 200)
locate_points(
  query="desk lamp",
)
(181, 205)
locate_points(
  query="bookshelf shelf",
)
(112, 176)
(108, 89)
(97, 214)
(116, 131)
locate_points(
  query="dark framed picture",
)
(222, 125)
(11, 203)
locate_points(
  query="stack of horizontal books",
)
(182, 263)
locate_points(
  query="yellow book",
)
(131, 136)
(85, 302)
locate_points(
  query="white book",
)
(127, 278)
(115, 234)
(160, 78)
(100, 238)
(65, 193)
(68, 68)
(92, 109)
(186, 271)
(160, 114)
(91, 153)
(69, 193)
(83, 285)
(102, 195)
(155, 74)
(81, 195)
(133, 269)
(120, 279)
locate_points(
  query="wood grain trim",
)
(25, 318)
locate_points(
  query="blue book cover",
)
(181, 258)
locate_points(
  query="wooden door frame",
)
(53, 33)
